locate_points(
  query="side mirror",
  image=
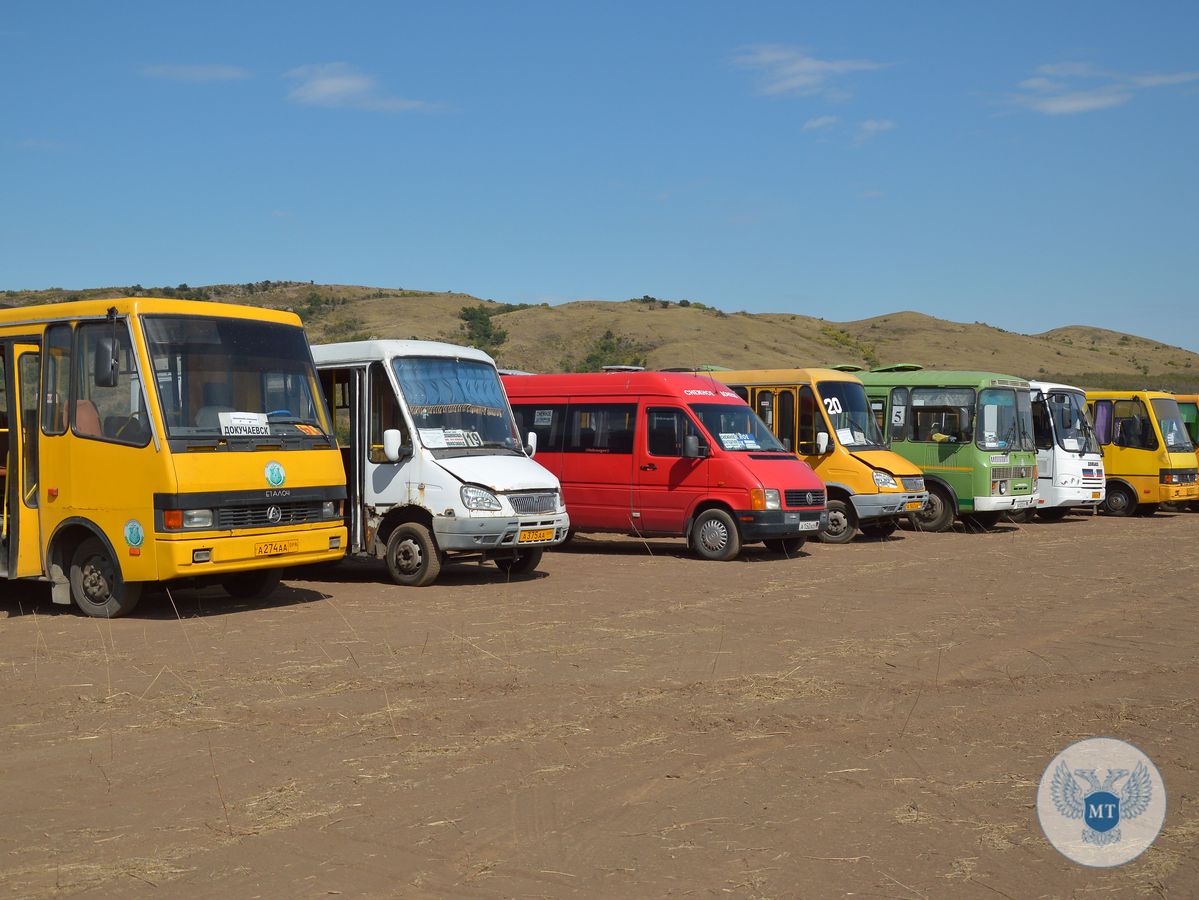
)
(105, 367)
(822, 443)
(531, 446)
(392, 439)
(691, 446)
(787, 444)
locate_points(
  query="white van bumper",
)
(481, 534)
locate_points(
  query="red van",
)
(652, 453)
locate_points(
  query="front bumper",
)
(454, 534)
(1054, 497)
(764, 524)
(241, 553)
(1172, 493)
(877, 506)
(1005, 504)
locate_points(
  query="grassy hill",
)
(587, 333)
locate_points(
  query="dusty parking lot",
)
(868, 720)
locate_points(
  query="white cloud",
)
(1067, 88)
(786, 70)
(820, 122)
(341, 85)
(196, 72)
(873, 128)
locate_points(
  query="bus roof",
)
(1127, 395)
(596, 384)
(941, 378)
(370, 351)
(84, 309)
(784, 376)
(1046, 386)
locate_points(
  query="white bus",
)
(1069, 463)
(434, 463)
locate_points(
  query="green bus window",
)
(942, 415)
(56, 379)
(898, 422)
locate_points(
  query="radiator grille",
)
(998, 472)
(524, 504)
(259, 516)
(795, 497)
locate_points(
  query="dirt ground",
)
(866, 720)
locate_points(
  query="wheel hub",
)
(97, 580)
(837, 522)
(408, 556)
(714, 536)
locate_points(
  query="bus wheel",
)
(880, 528)
(714, 535)
(252, 585)
(96, 583)
(1120, 501)
(937, 514)
(523, 563)
(785, 546)
(1193, 506)
(842, 524)
(1147, 509)
(412, 556)
(1053, 514)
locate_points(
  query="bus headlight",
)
(884, 479)
(328, 509)
(479, 498)
(197, 518)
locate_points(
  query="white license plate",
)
(809, 526)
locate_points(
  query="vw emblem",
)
(810, 498)
(274, 514)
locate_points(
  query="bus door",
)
(22, 544)
(345, 395)
(776, 407)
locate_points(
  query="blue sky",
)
(1030, 165)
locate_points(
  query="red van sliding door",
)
(668, 484)
(597, 466)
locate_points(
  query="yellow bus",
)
(824, 416)
(146, 440)
(1147, 453)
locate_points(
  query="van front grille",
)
(796, 497)
(998, 472)
(261, 516)
(526, 504)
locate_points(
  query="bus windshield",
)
(735, 427)
(457, 405)
(1169, 420)
(224, 379)
(1004, 420)
(849, 413)
(1071, 426)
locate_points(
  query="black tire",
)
(785, 546)
(256, 585)
(1193, 506)
(982, 521)
(96, 583)
(938, 513)
(880, 528)
(1119, 500)
(1053, 514)
(412, 555)
(714, 535)
(1147, 509)
(842, 524)
(523, 563)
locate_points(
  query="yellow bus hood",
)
(888, 461)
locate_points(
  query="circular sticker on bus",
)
(275, 476)
(135, 535)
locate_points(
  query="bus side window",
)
(56, 379)
(1102, 411)
(765, 408)
(786, 423)
(742, 392)
(1042, 427)
(808, 422)
(898, 430)
(116, 413)
(385, 414)
(546, 420)
(878, 409)
(1133, 427)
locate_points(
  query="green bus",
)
(970, 432)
